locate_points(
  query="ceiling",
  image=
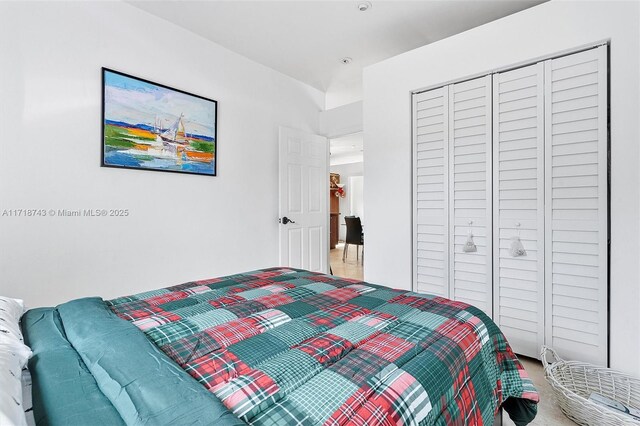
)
(307, 39)
(346, 149)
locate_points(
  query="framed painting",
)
(149, 126)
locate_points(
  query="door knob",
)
(285, 220)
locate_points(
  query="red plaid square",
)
(226, 301)
(234, 331)
(215, 368)
(168, 297)
(156, 320)
(464, 334)
(350, 408)
(466, 402)
(387, 346)
(413, 301)
(453, 303)
(272, 273)
(243, 393)
(255, 284)
(346, 311)
(342, 294)
(321, 278)
(274, 300)
(376, 412)
(208, 281)
(326, 348)
(135, 310)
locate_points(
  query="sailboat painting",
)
(149, 126)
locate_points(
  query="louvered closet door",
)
(518, 114)
(430, 192)
(576, 205)
(470, 191)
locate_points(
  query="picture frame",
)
(151, 126)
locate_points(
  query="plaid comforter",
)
(289, 347)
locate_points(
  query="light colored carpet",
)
(549, 413)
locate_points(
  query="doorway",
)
(346, 165)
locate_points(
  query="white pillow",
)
(11, 311)
(13, 355)
(13, 358)
(13, 307)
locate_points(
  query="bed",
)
(277, 346)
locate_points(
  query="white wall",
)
(346, 171)
(356, 196)
(181, 227)
(540, 31)
(342, 120)
(345, 88)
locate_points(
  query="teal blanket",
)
(90, 367)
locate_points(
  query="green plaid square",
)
(411, 332)
(282, 414)
(353, 331)
(180, 303)
(151, 293)
(257, 349)
(253, 293)
(208, 295)
(299, 282)
(211, 318)
(297, 309)
(366, 302)
(171, 332)
(425, 319)
(319, 287)
(121, 300)
(396, 309)
(189, 311)
(322, 395)
(298, 293)
(291, 369)
(431, 371)
(284, 277)
(293, 332)
(384, 294)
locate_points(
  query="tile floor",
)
(549, 413)
(352, 268)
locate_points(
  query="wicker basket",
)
(573, 382)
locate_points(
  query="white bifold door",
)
(470, 209)
(517, 164)
(576, 200)
(431, 192)
(518, 158)
(452, 192)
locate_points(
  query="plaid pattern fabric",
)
(282, 346)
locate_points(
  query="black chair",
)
(354, 236)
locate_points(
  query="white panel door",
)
(518, 202)
(304, 191)
(470, 186)
(576, 205)
(430, 192)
